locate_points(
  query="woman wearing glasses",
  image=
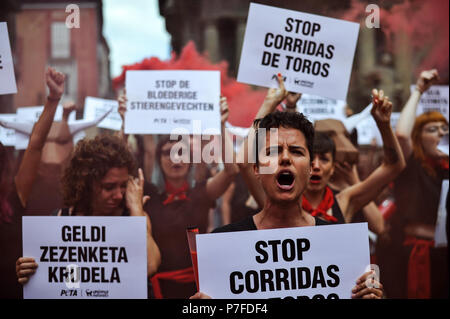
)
(421, 270)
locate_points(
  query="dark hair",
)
(91, 161)
(293, 120)
(323, 143)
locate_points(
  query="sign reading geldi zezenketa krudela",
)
(320, 262)
(86, 257)
(314, 54)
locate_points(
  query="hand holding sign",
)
(426, 79)
(55, 83)
(122, 99)
(25, 267)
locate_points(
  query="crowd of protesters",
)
(101, 177)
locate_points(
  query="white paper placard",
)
(110, 253)
(434, 99)
(7, 77)
(165, 102)
(317, 108)
(96, 107)
(368, 130)
(7, 135)
(314, 54)
(440, 234)
(318, 260)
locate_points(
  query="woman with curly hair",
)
(98, 182)
(414, 268)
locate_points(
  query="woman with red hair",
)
(420, 270)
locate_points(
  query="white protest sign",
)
(7, 78)
(32, 114)
(314, 54)
(7, 135)
(440, 234)
(86, 257)
(368, 130)
(317, 108)
(165, 102)
(317, 262)
(96, 107)
(434, 99)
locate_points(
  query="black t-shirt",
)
(249, 224)
(417, 194)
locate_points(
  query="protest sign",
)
(96, 107)
(314, 262)
(440, 234)
(434, 99)
(314, 54)
(7, 78)
(319, 108)
(165, 102)
(369, 132)
(86, 257)
(7, 135)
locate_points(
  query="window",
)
(60, 37)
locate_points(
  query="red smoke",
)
(242, 100)
(425, 22)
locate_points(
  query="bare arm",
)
(357, 196)
(246, 155)
(371, 212)
(226, 204)
(135, 201)
(218, 184)
(28, 167)
(408, 115)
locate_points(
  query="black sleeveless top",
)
(336, 210)
(248, 224)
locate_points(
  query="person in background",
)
(13, 201)
(414, 268)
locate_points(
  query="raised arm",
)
(135, 200)
(122, 99)
(408, 115)
(246, 155)
(349, 175)
(28, 167)
(218, 184)
(357, 196)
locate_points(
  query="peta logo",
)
(303, 83)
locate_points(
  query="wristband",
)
(53, 99)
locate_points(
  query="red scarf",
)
(441, 163)
(321, 210)
(181, 276)
(174, 194)
(419, 282)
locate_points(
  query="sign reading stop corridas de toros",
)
(313, 262)
(314, 54)
(86, 257)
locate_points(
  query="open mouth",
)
(285, 180)
(315, 179)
